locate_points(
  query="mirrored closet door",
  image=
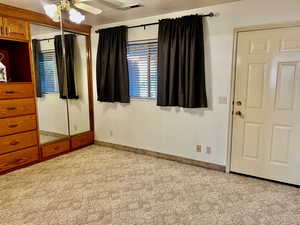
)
(61, 62)
(78, 101)
(52, 105)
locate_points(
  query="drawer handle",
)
(14, 143)
(56, 148)
(11, 108)
(10, 92)
(13, 126)
(18, 161)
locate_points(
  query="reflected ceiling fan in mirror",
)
(54, 8)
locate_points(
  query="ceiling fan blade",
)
(88, 8)
(122, 3)
(115, 2)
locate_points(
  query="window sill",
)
(50, 93)
(142, 99)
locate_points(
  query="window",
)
(142, 66)
(48, 72)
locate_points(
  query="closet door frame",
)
(86, 138)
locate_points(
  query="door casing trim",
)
(236, 31)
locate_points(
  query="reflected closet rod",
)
(211, 14)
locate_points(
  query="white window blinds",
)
(48, 72)
(142, 66)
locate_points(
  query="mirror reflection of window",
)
(48, 72)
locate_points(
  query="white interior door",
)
(266, 124)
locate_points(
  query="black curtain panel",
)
(112, 65)
(60, 63)
(66, 79)
(181, 66)
(36, 47)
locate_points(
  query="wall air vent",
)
(135, 6)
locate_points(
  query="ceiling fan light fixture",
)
(52, 11)
(75, 16)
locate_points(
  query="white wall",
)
(177, 131)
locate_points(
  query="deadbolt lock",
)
(238, 103)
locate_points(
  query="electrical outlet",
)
(199, 148)
(111, 133)
(208, 150)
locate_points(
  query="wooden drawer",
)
(55, 148)
(17, 141)
(15, 28)
(9, 108)
(19, 158)
(82, 140)
(15, 125)
(12, 91)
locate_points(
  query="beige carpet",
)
(98, 186)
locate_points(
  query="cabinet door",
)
(15, 29)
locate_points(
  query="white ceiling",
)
(110, 15)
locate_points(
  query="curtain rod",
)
(211, 14)
(46, 39)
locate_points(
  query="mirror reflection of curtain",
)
(36, 47)
(66, 81)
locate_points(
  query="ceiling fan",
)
(54, 8)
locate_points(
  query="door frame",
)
(236, 31)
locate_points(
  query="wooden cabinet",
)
(13, 29)
(16, 90)
(18, 107)
(18, 124)
(19, 158)
(18, 119)
(56, 148)
(82, 140)
(17, 141)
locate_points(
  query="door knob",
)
(239, 113)
(238, 103)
